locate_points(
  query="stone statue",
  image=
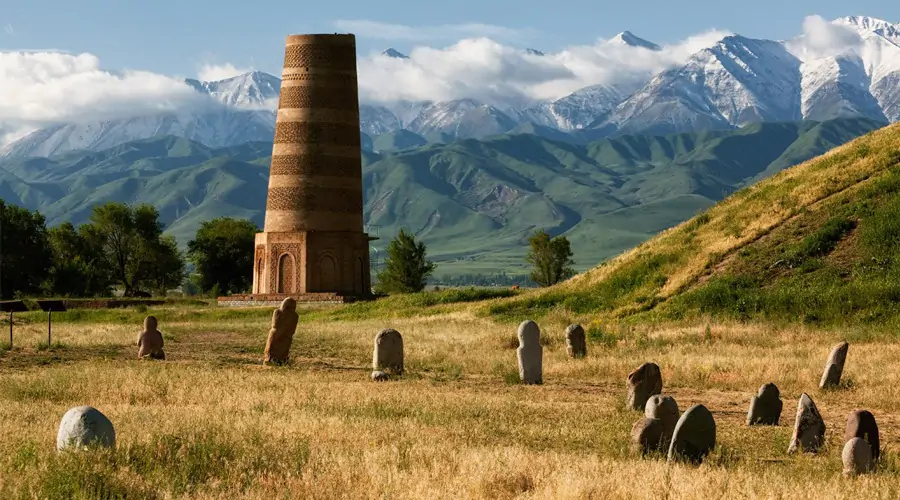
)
(150, 342)
(284, 324)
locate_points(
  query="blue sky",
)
(178, 37)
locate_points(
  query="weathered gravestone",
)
(530, 353)
(861, 424)
(664, 409)
(388, 353)
(695, 435)
(766, 406)
(834, 367)
(809, 428)
(647, 435)
(643, 382)
(84, 426)
(576, 346)
(284, 324)
(150, 341)
(857, 457)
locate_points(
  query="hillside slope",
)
(473, 202)
(819, 242)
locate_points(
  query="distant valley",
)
(473, 201)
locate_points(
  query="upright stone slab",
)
(388, 355)
(530, 353)
(150, 341)
(861, 424)
(695, 435)
(834, 367)
(84, 426)
(643, 382)
(857, 457)
(284, 324)
(664, 409)
(809, 428)
(576, 345)
(766, 406)
(647, 435)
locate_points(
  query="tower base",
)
(312, 262)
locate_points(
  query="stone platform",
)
(274, 300)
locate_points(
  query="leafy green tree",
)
(551, 258)
(222, 253)
(406, 269)
(80, 268)
(25, 256)
(133, 244)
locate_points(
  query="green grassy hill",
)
(817, 243)
(474, 202)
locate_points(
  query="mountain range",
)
(474, 202)
(735, 82)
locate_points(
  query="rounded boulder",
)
(84, 426)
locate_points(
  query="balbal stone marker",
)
(834, 367)
(766, 406)
(861, 424)
(643, 382)
(576, 346)
(150, 342)
(695, 435)
(809, 428)
(647, 435)
(388, 355)
(664, 409)
(84, 426)
(857, 457)
(284, 324)
(530, 353)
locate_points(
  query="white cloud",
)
(213, 72)
(41, 88)
(389, 31)
(485, 69)
(821, 38)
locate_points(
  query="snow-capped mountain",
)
(250, 90)
(734, 82)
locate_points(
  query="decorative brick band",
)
(316, 165)
(347, 81)
(315, 199)
(341, 57)
(317, 97)
(317, 133)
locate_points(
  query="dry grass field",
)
(213, 422)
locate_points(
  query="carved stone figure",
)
(150, 342)
(284, 324)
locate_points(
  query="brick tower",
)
(313, 241)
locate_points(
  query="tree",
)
(25, 256)
(133, 245)
(80, 268)
(551, 258)
(405, 270)
(222, 253)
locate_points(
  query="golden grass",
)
(212, 422)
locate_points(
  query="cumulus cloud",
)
(390, 31)
(821, 38)
(485, 69)
(213, 72)
(41, 88)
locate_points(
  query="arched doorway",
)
(285, 274)
(327, 273)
